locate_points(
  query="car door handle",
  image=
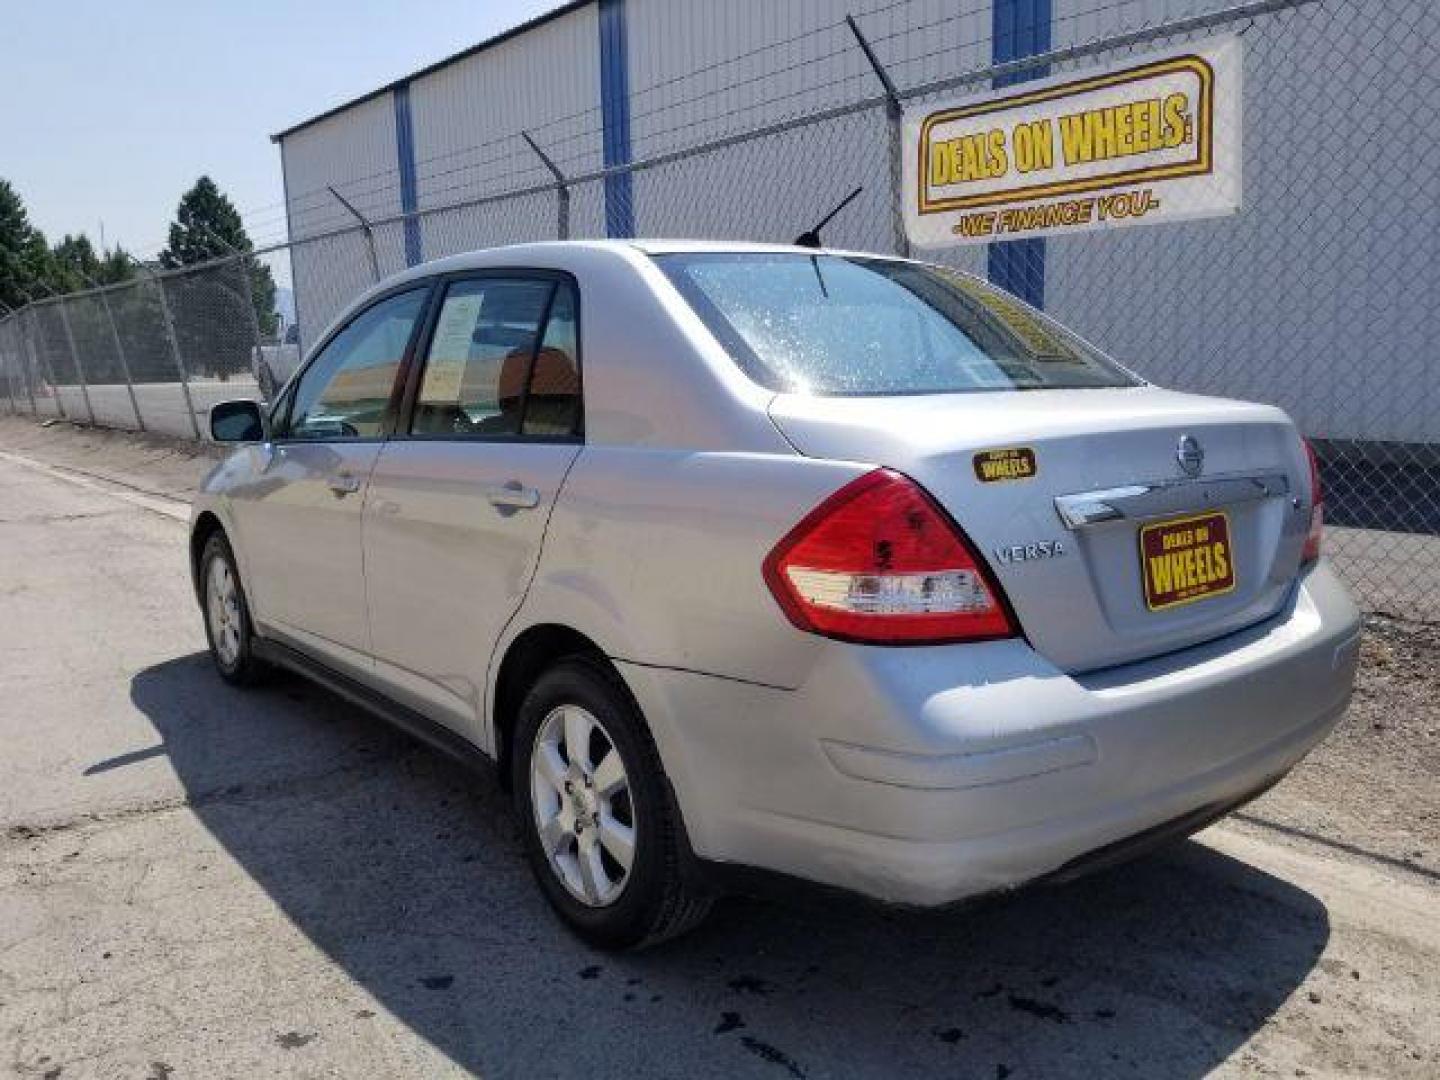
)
(343, 484)
(513, 496)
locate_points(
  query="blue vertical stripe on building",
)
(1019, 28)
(405, 155)
(615, 117)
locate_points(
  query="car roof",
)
(513, 254)
(670, 247)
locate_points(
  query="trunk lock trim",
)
(1161, 498)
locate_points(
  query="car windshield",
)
(833, 324)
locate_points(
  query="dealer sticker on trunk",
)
(1011, 463)
(1186, 559)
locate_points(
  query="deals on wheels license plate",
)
(1186, 559)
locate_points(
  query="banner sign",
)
(1154, 139)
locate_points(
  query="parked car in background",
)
(736, 557)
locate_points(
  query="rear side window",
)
(500, 362)
(553, 407)
(345, 392)
(831, 324)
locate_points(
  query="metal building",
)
(1318, 295)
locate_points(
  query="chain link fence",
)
(1319, 296)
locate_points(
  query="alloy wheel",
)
(222, 606)
(580, 792)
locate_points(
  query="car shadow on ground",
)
(405, 870)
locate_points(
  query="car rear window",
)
(834, 324)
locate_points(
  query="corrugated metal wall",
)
(701, 71)
(354, 151)
(1321, 238)
(698, 70)
(467, 116)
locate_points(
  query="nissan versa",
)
(739, 557)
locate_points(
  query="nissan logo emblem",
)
(1190, 456)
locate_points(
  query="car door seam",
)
(485, 717)
(366, 487)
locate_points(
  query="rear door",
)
(460, 495)
(299, 519)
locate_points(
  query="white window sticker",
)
(450, 349)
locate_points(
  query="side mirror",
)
(237, 421)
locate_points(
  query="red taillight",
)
(1311, 551)
(879, 562)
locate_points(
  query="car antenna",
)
(811, 239)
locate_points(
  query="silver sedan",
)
(737, 558)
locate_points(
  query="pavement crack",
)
(53, 519)
(237, 793)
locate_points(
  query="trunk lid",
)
(1089, 520)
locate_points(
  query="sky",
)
(113, 109)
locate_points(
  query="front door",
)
(299, 520)
(460, 497)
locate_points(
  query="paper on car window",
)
(450, 349)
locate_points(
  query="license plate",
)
(1186, 559)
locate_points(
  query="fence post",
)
(35, 354)
(5, 360)
(11, 322)
(369, 232)
(124, 364)
(562, 189)
(27, 376)
(895, 123)
(174, 344)
(17, 336)
(12, 366)
(249, 299)
(75, 357)
(254, 315)
(49, 373)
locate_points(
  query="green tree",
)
(74, 264)
(116, 266)
(208, 227)
(25, 258)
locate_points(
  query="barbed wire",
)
(635, 95)
(376, 186)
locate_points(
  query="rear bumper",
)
(927, 775)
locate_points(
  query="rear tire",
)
(227, 615)
(601, 830)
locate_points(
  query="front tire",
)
(601, 830)
(227, 615)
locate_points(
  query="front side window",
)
(501, 361)
(832, 324)
(345, 392)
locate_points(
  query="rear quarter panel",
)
(656, 554)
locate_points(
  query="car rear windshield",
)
(835, 324)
